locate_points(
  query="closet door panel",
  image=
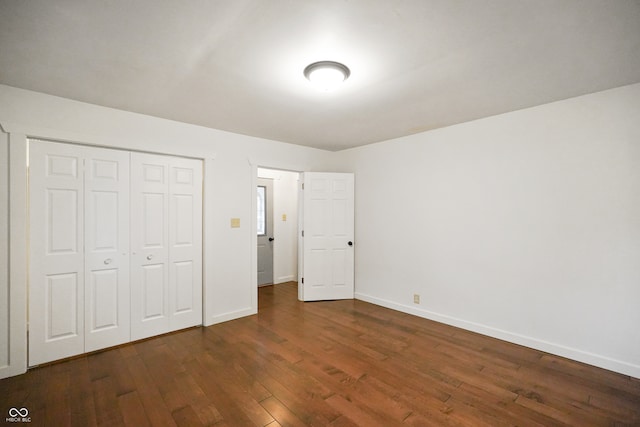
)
(103, 302)
(149, 245)
(107, 299)
(153, 291)
(56, 263)
(185, 240)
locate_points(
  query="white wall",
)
(285, 202)
(230, 173)
(523, 226)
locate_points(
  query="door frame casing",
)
(256, 164)
(18, 254)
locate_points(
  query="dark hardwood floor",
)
(338, 363)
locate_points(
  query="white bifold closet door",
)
(166, 244)
(79, 250)
(115, 247)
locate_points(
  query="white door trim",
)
(254, 164)
(18, 256)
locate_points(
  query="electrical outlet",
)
(416, 299)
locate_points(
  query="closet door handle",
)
(150, 257)
(107, 261)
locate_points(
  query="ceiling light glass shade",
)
(326, 75)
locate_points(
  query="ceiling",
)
(238, 65)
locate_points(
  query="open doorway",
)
(277, 229)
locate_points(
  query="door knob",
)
(150, 257)
(271, 239)
(107, 261)
(350, 243)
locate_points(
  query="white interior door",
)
(265, 231)
(166, 244)
(106, 196)
(56, 259)
(328, 226)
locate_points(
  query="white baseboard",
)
(283, 279)
(232, 315)
(600, 361)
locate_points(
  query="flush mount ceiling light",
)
(326, 75)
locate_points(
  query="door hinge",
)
(303, 280)
(303, 185)
(302, 233)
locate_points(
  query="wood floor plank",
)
(281, 413)
(245, 392)
(186, 417)
(132, 410)
(57, 387)
(332, 363)
(82, 405)
(234, 404)
(150, 397)
(613, 406)
(106, 401)
(304, 398)
(506, 407)
(360, 416)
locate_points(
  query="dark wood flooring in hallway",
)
(337, 363)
